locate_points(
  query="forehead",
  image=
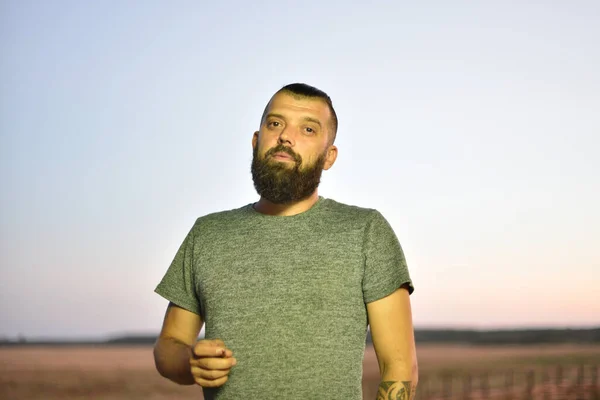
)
(289, 104)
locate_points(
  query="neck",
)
(264, 206)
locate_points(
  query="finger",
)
(222, 350)
(206, 349)
(211, 383)
(214, 363)
(228, 353)
(209, 374)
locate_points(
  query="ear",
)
(330, 158)
(255, 139)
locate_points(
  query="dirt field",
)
(119, 373)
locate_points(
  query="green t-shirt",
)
(287, 295)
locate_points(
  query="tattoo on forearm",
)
(394, 390)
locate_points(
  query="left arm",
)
(392, 331)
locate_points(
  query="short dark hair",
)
(303, 90)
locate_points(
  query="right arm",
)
(173, 349)
(184, 360)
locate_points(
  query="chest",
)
(246, 274)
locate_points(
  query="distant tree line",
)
(496, 337)
(458, 336)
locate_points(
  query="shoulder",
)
(347, 211)
(369, 220)
(221, 218)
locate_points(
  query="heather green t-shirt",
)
(288, 295)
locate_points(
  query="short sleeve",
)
(178, 284)
(385, 264)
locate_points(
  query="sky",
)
(473, 127)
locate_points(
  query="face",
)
(292, 148)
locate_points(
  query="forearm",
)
(398, 384)
(172, 360)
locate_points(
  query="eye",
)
(273, 124)
(310, 130)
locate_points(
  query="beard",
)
(282, 182)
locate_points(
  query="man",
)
(286, 286)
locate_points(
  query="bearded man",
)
(287, 286)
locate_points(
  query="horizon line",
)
(131, 334)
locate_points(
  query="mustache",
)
(283, 149)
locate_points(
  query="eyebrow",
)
(316, 121)
(308, 119)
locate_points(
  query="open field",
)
(118, 372)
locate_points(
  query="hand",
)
(211, 362)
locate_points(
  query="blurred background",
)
(472, 126)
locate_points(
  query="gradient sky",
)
(473, 128)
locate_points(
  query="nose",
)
(285, 137)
